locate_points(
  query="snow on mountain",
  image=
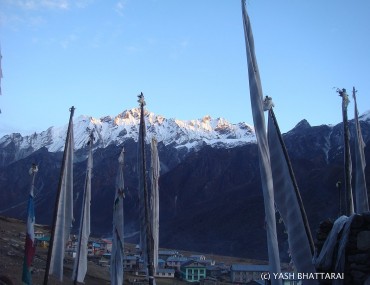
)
(115, 130)
(365, 116)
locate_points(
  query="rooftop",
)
(250, 267)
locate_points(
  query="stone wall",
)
(357, 253)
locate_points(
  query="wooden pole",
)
(149, 237)
(46, 275)
(347, 155)
(295, 185)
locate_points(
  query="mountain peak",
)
(206, 118)
(124, 126)
(303, 124)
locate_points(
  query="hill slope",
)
(210, 196)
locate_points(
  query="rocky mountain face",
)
(210, 191)
(125, 126)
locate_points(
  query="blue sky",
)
(187, 57)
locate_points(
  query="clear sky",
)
(187, 57)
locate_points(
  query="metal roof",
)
(250, 267)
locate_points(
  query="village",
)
(172, 264)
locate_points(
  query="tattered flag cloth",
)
(144, 198)
(347, 154)
(142, 183)
(288, 206)
(116, 267)
(154, 200)
(362, 202)
(29, 251)
(333, 253)
(65, 211)
(80, 265)
(263, 151)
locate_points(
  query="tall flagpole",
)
(51, 243)
(294, 181)
(83, 213)
(347, 155)
(255, 88)
(149, 237)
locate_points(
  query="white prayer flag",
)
(65, 211)
(80, 265)
(287, 203)
(362, 202)
(116, 261)
(263, 151)
(155, 169)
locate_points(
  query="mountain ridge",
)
(210, 197)
(115, 130)
(188, 134)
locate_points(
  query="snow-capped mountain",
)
(115, 130)
(206, 193)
